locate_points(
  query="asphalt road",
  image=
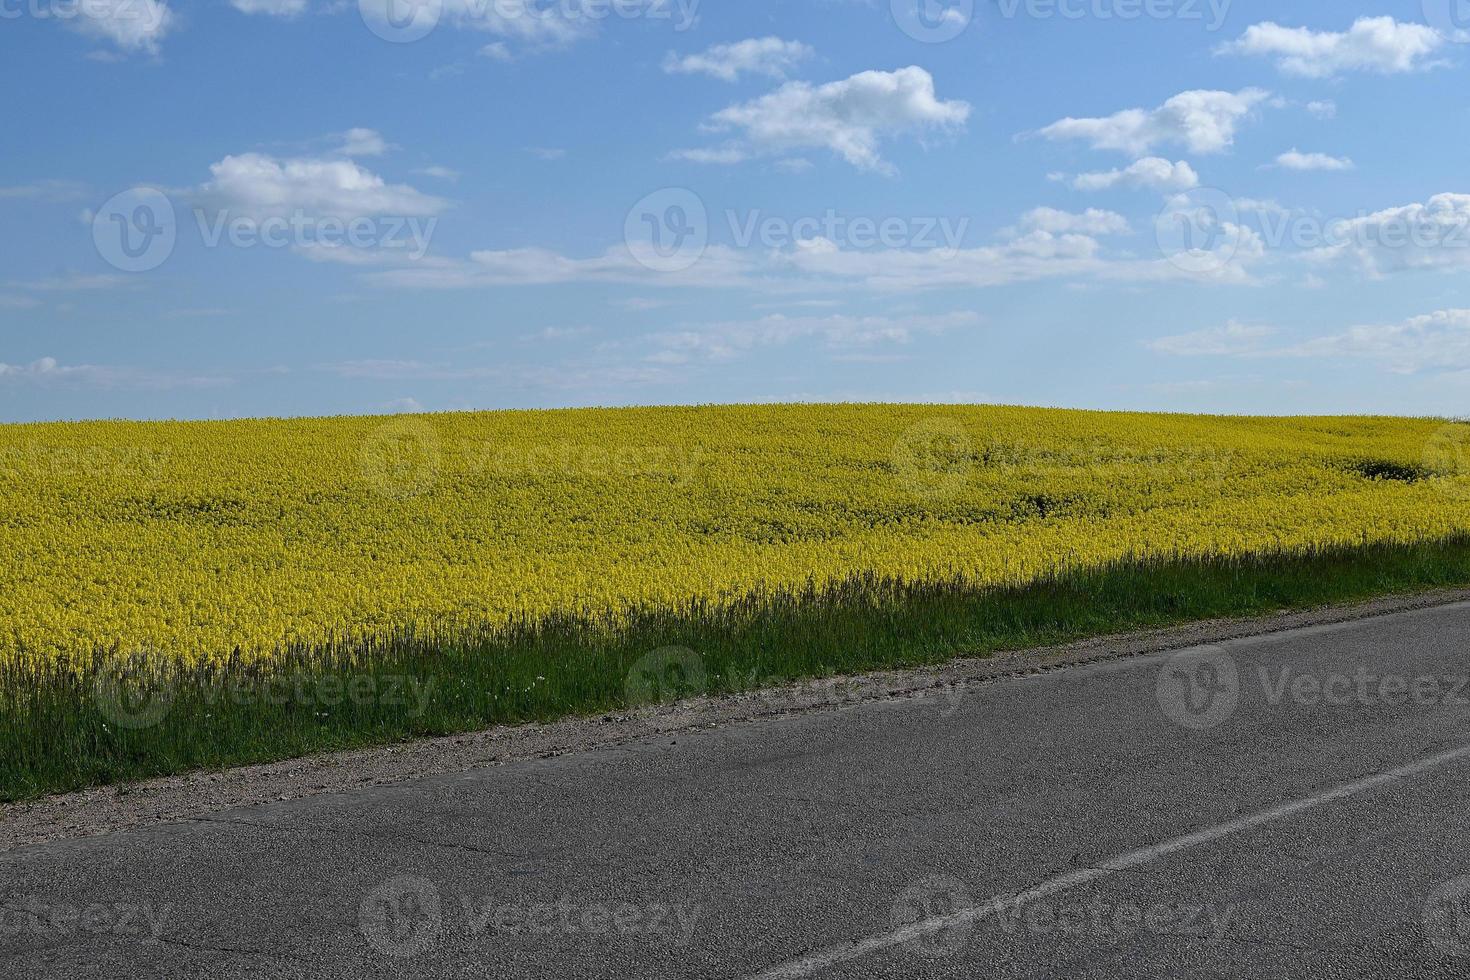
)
(1290, 805)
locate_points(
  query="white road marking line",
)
(815, 963)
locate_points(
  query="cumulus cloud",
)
(770, 56)
(1438, 341)
(1294, 159)
(133, 26)
(1380, 45)
(1155, 173)
(1431, 235)
(849, 117)
(1090, 222)
(257, 185)
(359, 142)
(1202, 121)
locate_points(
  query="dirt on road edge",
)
(105, 810)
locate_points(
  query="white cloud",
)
(1438, 341)
(1294, 159)
(1202, 121)
(257, 185)
(818, 265)
(1373, 44)
(547, 153)
(71, 282)
(1232, 339)
(848, 117)
(50, 190)
(48, 370)
(285, 9)
(770, 56)
(721, 155)
(359, 142)
(725, 340)
(1323, 109)
(1090, 222)
(534, 26)
(1151, 172)
(134, 26)
(439, 173)
(1432, 235)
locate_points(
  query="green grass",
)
(60, 730)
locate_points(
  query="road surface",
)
(1290, 805)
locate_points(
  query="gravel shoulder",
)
(109, 809)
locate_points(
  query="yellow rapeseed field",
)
(196, 539)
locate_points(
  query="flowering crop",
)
(196, 540)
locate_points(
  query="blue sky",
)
(1180, 205)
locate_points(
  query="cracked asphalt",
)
(730, 852)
